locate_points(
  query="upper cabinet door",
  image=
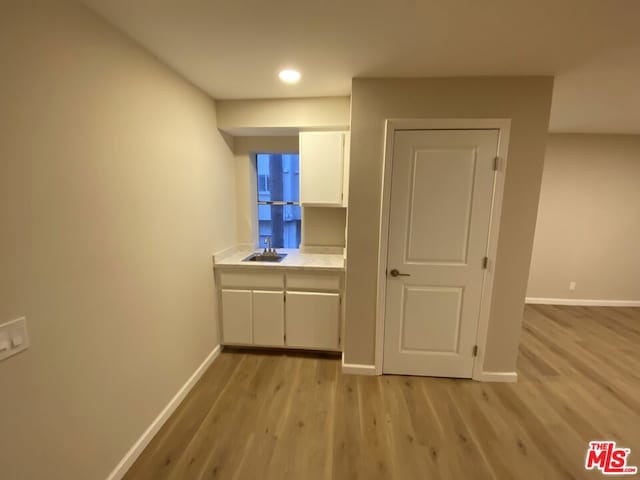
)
(322, 168)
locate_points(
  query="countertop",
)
(316, 259)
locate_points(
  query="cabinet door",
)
(321, 168)
(313, 320)
(268, 318)
(236, 316)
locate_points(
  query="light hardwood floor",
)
(276, 416)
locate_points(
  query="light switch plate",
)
(15, 332)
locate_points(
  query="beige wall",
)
(588, 228)
(324, 227)
(526, 100)
(288, 115)
(320, 226)
(115, 190)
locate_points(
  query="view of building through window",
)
(278, 199)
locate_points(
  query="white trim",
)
(142, 442)
(357, 369)
(504, 125)
(507, 377)
(583, 302)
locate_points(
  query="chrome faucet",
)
(269, 251)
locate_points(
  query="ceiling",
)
(235, 48)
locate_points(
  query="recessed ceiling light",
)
(289, 76)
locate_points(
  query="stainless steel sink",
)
(258, 257)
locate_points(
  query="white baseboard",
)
(508, 377)
(583, 302)
(138, 447)
(357, 369)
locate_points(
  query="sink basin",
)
(258, 257)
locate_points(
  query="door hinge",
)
(485, 263)
(496, 164)
(475, 350)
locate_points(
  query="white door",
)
(268, 318)
(313, 320)
(440, 210)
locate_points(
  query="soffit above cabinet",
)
(283, 116)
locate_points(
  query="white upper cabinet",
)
(323, 160)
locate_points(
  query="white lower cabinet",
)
(237, 316)
(253, 317)
(275, 309)
(313, 320)
(268, 318)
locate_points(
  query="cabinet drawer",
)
(313, 281)
(235, 279)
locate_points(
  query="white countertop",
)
(295, 259)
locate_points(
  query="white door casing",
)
(442, 190)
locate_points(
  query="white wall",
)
(115, 189)
(588, 228)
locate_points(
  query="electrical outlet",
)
(13, 337)
(572, 286)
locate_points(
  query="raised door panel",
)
(268, 318)
(313, 320)
(321, 168)
(236, 316)
(441, 189)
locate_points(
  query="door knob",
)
(396, 273)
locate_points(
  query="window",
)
(279, 199)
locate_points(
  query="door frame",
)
(393, 125)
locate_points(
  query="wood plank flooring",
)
(277, 416)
